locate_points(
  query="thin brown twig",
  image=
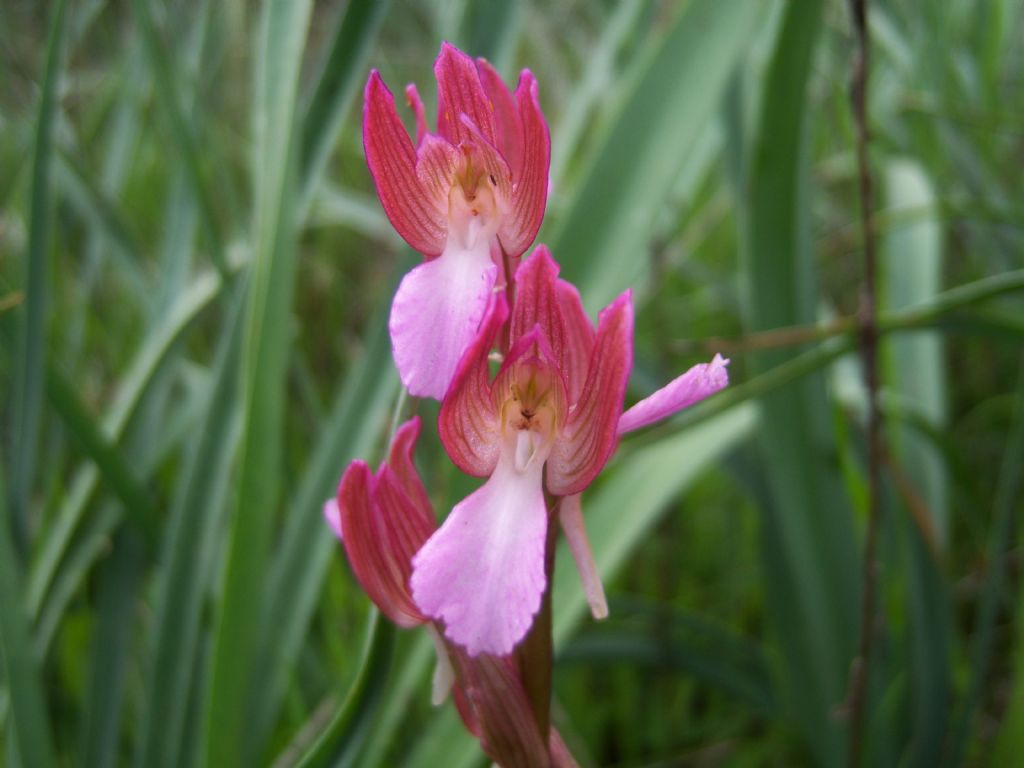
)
(868, 334)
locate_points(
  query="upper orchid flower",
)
(549, 421)
(470, 198)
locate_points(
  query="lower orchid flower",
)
(542, 429)
(382, 518)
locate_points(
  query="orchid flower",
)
(469, 197)
(547, 423)
(382, 518)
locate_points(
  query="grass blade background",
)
(193, 533)
(32, 340)
(601, 242)
(267, 339)
(684, 133)
(912, 272)
(354, 427)
(29, 723)
(343, 69)
(808, 562)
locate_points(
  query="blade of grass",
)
(192, 542)
(345, 64)
(340, 742)
(490, 29)
(109, 459)
(1007, 507)
(154, 352)
(233, 680)
(808, 557)
(602, 241)
(912, 273)
(96, 208)
(119, 584)
(355, 425)
(588, 94)
(181, 133)
(32, 733)
(32, 344)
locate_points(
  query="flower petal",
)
(332, 515)
(530, 184)
(460, 92)
(537, 300)
(588, 439)
(697, 383)
(570, 514)
(482, 573)
(381, 529)
(420, 218)
(579, 339)
(499, 712)
(435, 315)
(412, 98)
(444, 673)
(436, 163)
(553, 304)
(508, 124)
(468, 422)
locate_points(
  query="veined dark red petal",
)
(500, 711)
(436, 164)
(460, 92)
(579, 339)
(412, 97)
(419, 215)
(468, 422)
(530, 184)
(385, 519)
(537, 301)
(508, 124)
(588, 439)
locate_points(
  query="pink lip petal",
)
(468, 422)
(588, 440)
(459, 91)
(420, 218)
(482, 573)
(434, 317)
(697, 383)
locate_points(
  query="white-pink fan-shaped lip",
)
(482, 572)
(434, 317)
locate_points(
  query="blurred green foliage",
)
(194, 281)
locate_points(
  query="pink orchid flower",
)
(470, 198)
(382, 518)
(547, 423)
